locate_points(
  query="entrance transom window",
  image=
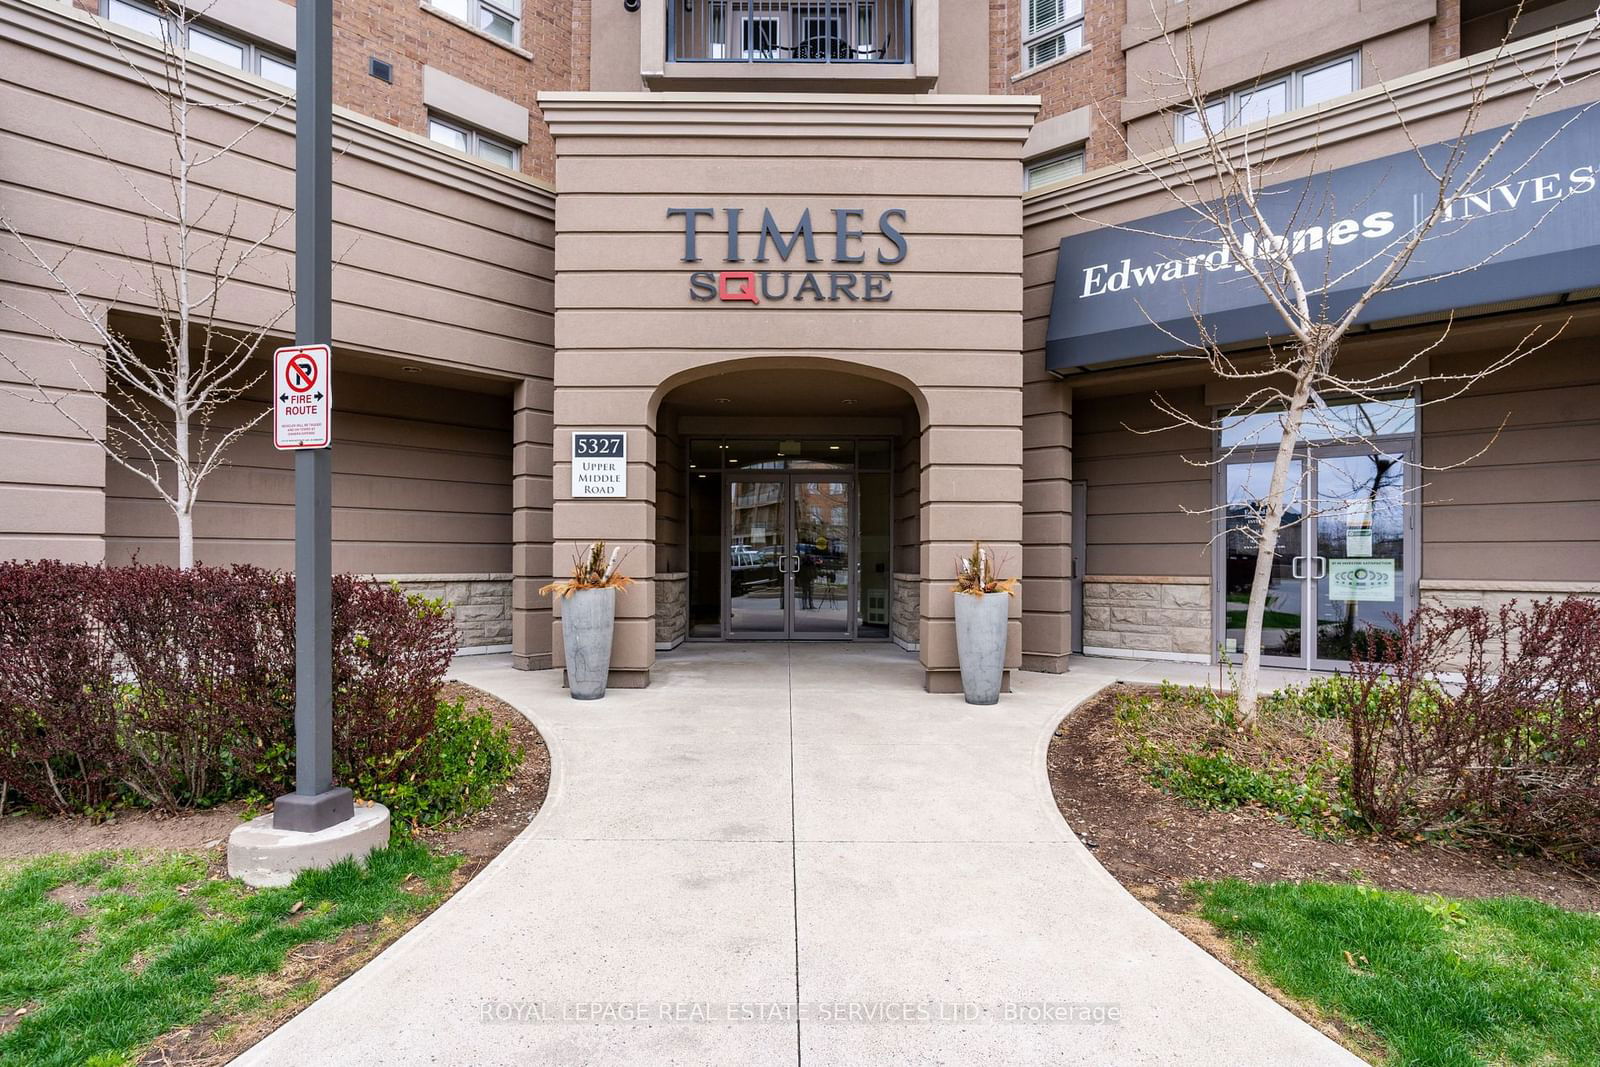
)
(1344, 564)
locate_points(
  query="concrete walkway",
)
(796, 838)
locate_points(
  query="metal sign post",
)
(315, 804)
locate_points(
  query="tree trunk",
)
(185, 540)
(1277, 503)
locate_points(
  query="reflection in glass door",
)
(758, 558)
(1283, 625)
(1358, 551)
(822, 570)
(790, 565)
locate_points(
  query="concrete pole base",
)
(265, 856)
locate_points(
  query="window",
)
(1340, 420)
(497, 18)
(1301, 88)
(205, 39)
(136, 17)
(759, 36)
(473, 142)
(1055, 28)
(1053, 169)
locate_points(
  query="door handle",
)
(781, 568)
(1297, 567)
(1322, 568)
(796, 564)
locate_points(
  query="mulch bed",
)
(1154, 843)
(479, 838)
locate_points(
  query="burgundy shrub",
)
(204, 652)
(1489, 723)
(58, 737)
(177, 687)
(390, 655)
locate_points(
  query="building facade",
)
(766, 293)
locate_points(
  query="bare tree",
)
(1222, 178)
(162, 406)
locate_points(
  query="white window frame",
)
(746, 43)
(510, 10)
(1063, 31)
(251, 51)
(474, 138)
(1294, 92)
(1035, 174)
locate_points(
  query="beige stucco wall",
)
(627, 332)
(445, 267)
(421, 482)
(1236, 42)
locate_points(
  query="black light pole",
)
(315, 804)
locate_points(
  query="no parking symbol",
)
(302, 397)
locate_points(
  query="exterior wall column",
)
(530, 523)
(628, 524)
(971, 483)
(1047, 525)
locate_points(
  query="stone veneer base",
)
(480, 604)
(1148, 616)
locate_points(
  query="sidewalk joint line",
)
(794, 855)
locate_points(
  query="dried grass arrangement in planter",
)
(591, 569)
(588, 614)
(979, 572)
(983, 603)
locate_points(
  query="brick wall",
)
(1095, 78)
(580, 44)
(409, 36)
(1444, 36)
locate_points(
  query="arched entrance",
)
(787, 507)
(940, 465)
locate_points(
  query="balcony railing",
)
(789, 31)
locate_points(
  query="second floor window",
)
(1273, 96)
(474, 142)
(204, 38)
(1054, 29)
(497, 18)
(1053, 169)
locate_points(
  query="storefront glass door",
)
(1340, 567)
(1283, 626)
(1358, 551)
(790, 563)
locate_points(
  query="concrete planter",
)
(586, 621)
(981, 644)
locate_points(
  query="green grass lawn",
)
(1443, 983)
(109, 951)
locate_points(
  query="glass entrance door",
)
(1283, 625)
(824, 557)
(1340, 569)
(790, 561)
(1357, 554)
(758, 556)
